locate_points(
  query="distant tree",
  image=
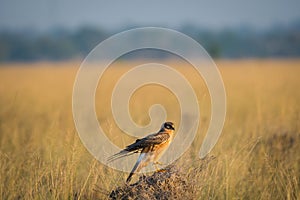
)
(63, 44)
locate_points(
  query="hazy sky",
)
(45, 14)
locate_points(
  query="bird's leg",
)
(156, 168)
(158, 163)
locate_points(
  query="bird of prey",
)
(150, 148)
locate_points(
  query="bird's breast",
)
(161, 146)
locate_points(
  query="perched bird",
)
(151, 148)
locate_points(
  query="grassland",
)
(257, 156)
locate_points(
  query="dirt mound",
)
(172, 182)
(169, 183)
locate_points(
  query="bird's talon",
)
(161, 170)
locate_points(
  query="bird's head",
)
(168, 126)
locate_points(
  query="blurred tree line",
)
(61, 44)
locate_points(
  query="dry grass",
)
(257, 156)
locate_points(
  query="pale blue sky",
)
(215, 14)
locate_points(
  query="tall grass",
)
(257, 156)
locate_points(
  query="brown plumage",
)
(151, 148)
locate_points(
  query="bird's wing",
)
(140, 144)
(154, 139)
(148, 141)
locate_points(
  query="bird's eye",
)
(168, 126)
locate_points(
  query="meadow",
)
(256, 157)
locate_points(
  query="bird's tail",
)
(137, 167)
(129, 177)
(132, 172)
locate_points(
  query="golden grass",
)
(257, 156)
